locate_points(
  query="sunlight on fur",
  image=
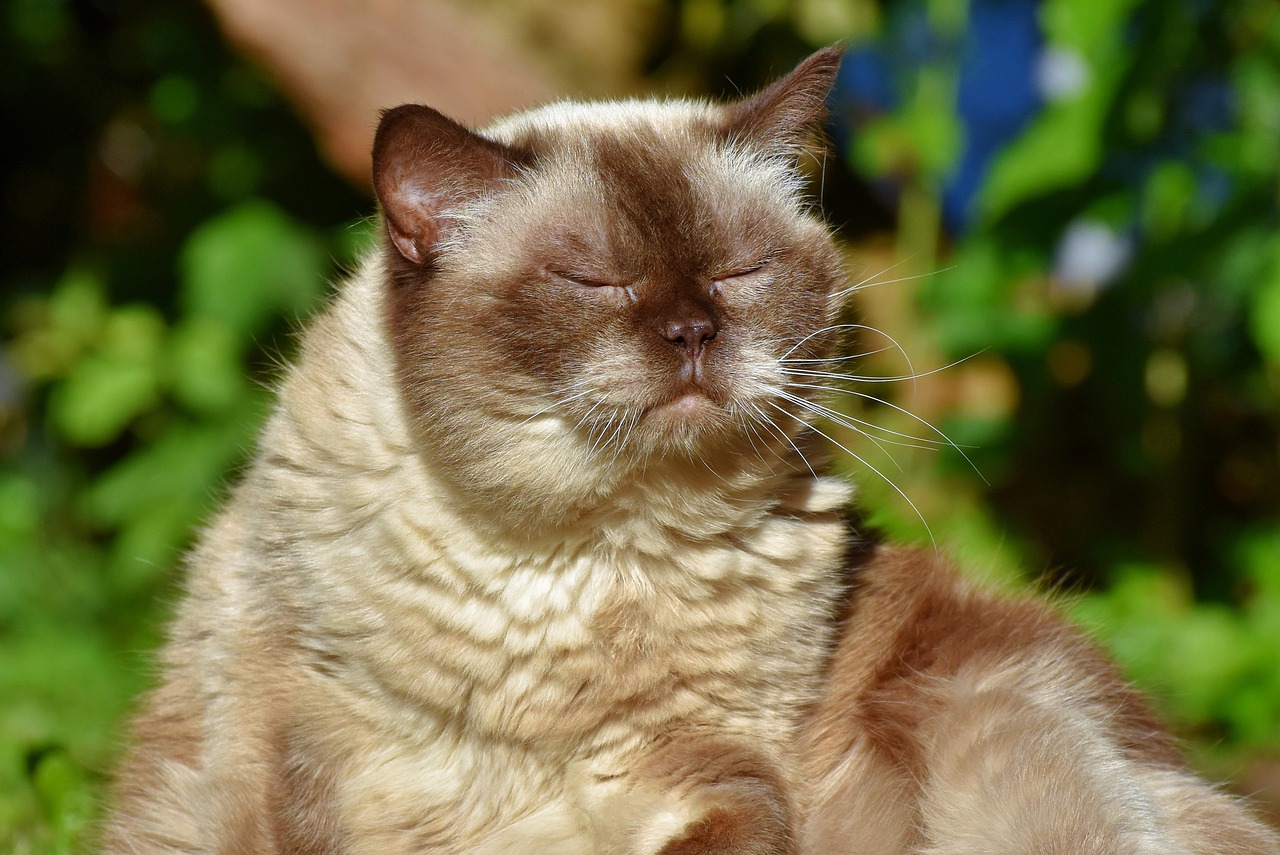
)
(537, 555)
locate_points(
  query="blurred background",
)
(1063, 217)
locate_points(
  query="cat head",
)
(585, 291)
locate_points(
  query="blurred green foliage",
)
(168, 221)
(1143, 451)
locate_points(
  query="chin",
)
(691, 424)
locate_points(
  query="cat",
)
(531, 557)
(527, 559)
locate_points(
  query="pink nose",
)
(692, 334)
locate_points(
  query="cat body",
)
(445, 610)
(961, 721)
(531, 558)
(565, 657)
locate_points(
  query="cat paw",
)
(739, 830)
(693, 794)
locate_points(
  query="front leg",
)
(695, 794)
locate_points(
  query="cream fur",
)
(454, 719)
(415, 631)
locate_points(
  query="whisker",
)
(858, 458)
(599, 442)
(856, 424)
(894, 342)
(861, 378)
(946, 440)
(821, 360)
(817, 410)
(587, 415)
(769, 423)
(867, 279)
(749, 428)
(617, 431)
(629, 421)
(818, 332)
(557, 403)
(867, 283)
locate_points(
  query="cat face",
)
(630, 279)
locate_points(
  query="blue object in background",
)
(996, 98)
(997, 95)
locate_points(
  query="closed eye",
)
(735, 274)
(582, 281)
(586, 282)
(740, 272)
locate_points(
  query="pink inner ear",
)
(425, 166)
(415, 225)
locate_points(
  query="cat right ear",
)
(781, 116)
(425, 167)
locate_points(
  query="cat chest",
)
(583, 645)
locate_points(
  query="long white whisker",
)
(946, 440)
(856, 424)
(769, 423)
(752, 435)
(817, 332)
(860, 378)
(856, 457)
(629, 421)
(606, 442)
(867, 283)
(599, 442)
(587, 415)
(819, 410)
(910, 368)
(553, 405)
(867, 279)
(825, 360)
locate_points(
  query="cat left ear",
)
(425, 167)
(781, 116)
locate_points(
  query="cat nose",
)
(692, 334)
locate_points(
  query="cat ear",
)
(780, 116)
(426, 166)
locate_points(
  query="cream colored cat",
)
(507, 574)
(528, 560)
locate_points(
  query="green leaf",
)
(930, 122)
(109, 388)
(1264, 310)
(63, 789)
(204, 370)
(62, 327)
(19, 507)
(1061, 148)
(973, 306)
(1167, 200)
(1064, 145)
(249, 264)
(1085, 27)
(181, 468)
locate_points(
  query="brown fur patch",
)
(790, 108)
(304, 810)
(924, 651)
(746, 805)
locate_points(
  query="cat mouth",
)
(691, 403)
(688, 406)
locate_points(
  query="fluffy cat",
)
(529, 559)
(507, 573)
